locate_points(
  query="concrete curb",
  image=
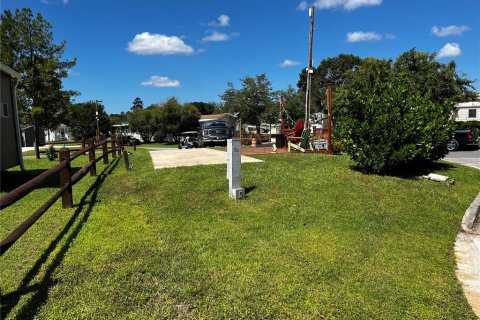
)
(467, 253)
(471, 215)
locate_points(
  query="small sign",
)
(320, 144)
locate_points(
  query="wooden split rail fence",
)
(67, 180)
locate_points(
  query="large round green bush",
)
(384, 126)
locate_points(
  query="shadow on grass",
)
(13, 179)
(250, 189)
(412, 171)
(41, 289)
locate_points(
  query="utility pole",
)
(330, 129)
(282, 110)
(309, 70)
(96, 116)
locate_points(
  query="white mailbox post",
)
(234, 169)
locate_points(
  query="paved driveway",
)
(171, 158)
(469, 158)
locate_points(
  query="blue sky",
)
(190, 49)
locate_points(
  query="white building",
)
(467, 111)
(61, 133)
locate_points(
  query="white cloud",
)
(147, 43)
(302, 6)
(450, 49)
(222, 21)
(449, 31)
(216, 36)
(289, 63)
(390, 36)
(359, 36)
(54, 2)
(346, 4)
(159, 82)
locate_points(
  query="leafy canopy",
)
(251, 101)
(28, 47)
(331, 70)
(82, 119)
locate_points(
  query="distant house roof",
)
(208, 117)
(472, 104)
(120, 125)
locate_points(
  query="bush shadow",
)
(41, 290)
(413, 171)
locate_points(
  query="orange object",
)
(254, 142)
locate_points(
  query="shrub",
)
(51, 153)
(337, 147)
(393, 127)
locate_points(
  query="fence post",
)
(91, 157)
(125, 159)
(121, 144)
(134, 145)
(65, 178)
(105, 151)
(114, 152)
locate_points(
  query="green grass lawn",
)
(314, 239)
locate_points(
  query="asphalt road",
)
(466, 157)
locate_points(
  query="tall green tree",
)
(137, 104)
(425, 74)
(331, 70)
(189, 117)
(118, 118)
(82, 120)
(251, 101)
(176, 118)
(204, 107)
(145, 121)
(170, 118)
(29, 48)
(294, 103)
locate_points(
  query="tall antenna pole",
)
(330, 129)
(308, 95)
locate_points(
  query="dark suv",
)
(464, 137)
(217, 131)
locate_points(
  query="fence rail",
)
(67, 180)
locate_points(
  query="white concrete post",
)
(234, 169)
(229, 159)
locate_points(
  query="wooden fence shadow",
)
(40, 296)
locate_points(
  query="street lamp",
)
(96, 116)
